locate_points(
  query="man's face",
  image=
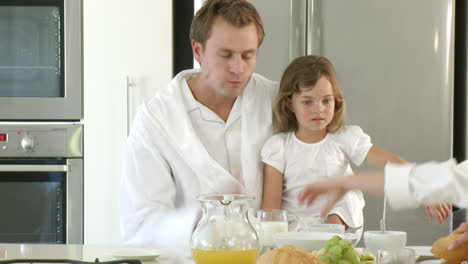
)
(229, 58)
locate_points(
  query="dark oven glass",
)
(31, 48)
(33, 206)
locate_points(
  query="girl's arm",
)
(378, 157)
(335, 219)
(272, 188)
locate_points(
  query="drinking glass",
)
(399, 256)
(388, 240)
(272, 221)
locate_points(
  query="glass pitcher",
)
(224, 234)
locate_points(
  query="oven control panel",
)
(41, 140)
(27, 143)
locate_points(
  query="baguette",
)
(288, 255)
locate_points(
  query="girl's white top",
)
(303, 163)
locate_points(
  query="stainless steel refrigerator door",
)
(285, 35)
(395, 63)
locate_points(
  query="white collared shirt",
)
(221, 139)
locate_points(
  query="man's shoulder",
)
(261, 87)
(171, 94)
(167, 102)
(262, 81)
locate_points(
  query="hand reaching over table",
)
(441, 211)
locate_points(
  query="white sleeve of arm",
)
(409, 185)
(397, 188)
(148, 214)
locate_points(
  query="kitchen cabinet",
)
(125, 43)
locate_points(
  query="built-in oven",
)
(41, 60)
(41, 182)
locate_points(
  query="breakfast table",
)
(104, 253)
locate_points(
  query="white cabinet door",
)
(122, 38)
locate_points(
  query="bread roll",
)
(288, 255)
(458, 255)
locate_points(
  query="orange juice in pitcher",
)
(225, 257)
(224, 233)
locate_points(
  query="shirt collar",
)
(191, 103)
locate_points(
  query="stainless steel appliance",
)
(41, 60)
(395, 62)
(41, 182)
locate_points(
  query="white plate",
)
(432, 261)
(421, 250)
(309, 241)
(143, 254)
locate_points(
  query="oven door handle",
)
(33, 168)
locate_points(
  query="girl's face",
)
(314, 108)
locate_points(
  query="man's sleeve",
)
(148, 193)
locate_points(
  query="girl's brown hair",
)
(300, 75)
(238, 13)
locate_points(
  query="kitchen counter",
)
(89, 253)
(104, 253)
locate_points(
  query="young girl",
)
(312, 143)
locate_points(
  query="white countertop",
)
(105, 253)
(89, 253)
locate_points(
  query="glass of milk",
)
(272, 221)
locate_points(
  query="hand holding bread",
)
(463, 231)
(454, 256)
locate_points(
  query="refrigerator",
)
(395, 61)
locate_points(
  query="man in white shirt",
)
(202, 134)
(405, 186)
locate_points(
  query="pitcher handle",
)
(253, 220)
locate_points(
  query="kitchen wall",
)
(122, 38)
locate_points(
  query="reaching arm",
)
(371, 182)
(451, 185)
(272, 188)
(379, 158)
(405, 187)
